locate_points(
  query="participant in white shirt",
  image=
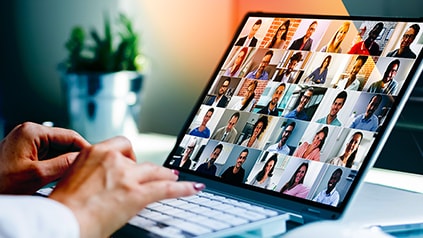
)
(330, 196)
(353, 81)
(281, 147)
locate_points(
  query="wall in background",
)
(32, 46)
(183, 41)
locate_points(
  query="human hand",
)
(105, 187)
(33, 155)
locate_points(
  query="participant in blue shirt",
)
(298, 112)
(202, 130)
(367, 120)
(337, 104)
(260, 72)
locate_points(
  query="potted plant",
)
(102, 80)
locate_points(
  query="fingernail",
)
(199, 186)
(176, 172)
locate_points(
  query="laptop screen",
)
(299, 105)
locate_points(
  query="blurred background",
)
(182, 40)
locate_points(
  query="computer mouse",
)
(334, 229)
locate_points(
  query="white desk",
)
(385, 198)
(152, 147)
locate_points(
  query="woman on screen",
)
(235, 68)
(334, 45)
(278, 40)
(259, 128)
(295, 186)
(311, 150)
(348, 157)
(262, 179)
(247, 103)
(318, 76)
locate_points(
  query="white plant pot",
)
(101, 106)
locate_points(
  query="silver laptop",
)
(296, 112)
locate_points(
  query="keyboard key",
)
(211, 223)
(267, 212)
(188, 226)
(174, 202)
(233, 220)
(166, 231)
(197, 215)
(141, 222)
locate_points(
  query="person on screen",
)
(388, 84)
(288, 75)
(220, 100)
(250, 40)
(209, 167)
(330, 196)
(281, 147)
(278, 40)
(311, 151)
(318, 76)
(259, 128)
(350, 152)
(368, 46)
(271, 108)
(184, 161)
(260, 73)
(367, 120)
(227, 133)
(305, 42)
(262, 179)
(334, 45)
(247, 103)
(235, 68)
(295, 186)
(337, 104)
(353, 81)
(202, 130)
(408, 37)
(298, 112)
(359, 35)
(236, 173)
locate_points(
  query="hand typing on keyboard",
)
(105, 187)
(101, 184)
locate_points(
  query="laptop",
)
(293, 117)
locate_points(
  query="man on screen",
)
(227, 133)
(337, 104)
(271, 108)
(236, 173)
(330, 196)
(367, 120)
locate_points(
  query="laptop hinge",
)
(296, 218)
(311, 215)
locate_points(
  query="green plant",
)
(107, 54)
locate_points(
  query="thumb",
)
(54, 168)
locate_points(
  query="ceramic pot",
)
(103, 105)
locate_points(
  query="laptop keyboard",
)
(194, 215)
(197, 215)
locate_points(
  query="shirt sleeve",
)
(33, 216)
